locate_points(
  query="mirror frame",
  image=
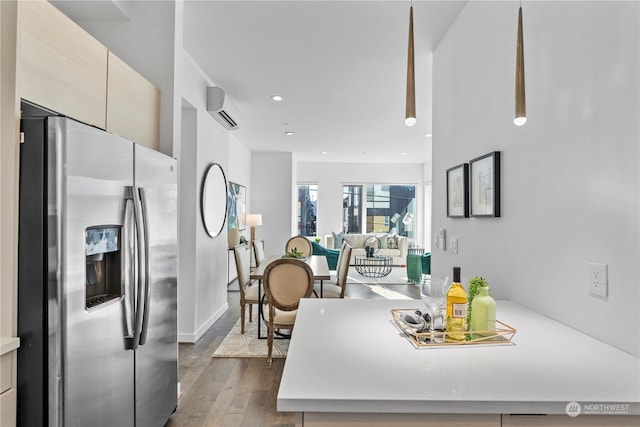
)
(214, 221)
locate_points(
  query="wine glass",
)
(433, 295)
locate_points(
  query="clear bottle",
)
(456, 309)
(483, 312)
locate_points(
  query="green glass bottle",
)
(483, 312)
(456, 309)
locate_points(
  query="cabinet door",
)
(566, 421)
(8, 408)
(61, 67)
(133, 105)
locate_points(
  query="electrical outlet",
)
(598, 281)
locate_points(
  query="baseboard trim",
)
(194, 337)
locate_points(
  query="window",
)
(307, 209)
(389, 209)
(352, 208)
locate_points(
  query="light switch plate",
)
(453, 244)
(442, 239)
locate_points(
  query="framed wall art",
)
(458, 191)
(237, 205)
(485, 185)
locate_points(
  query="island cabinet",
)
(566, 421)
(372, 375)
(8, 381)
(60, 66)
(133, 105)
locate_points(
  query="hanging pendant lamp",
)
(410, 113)
(521, 107)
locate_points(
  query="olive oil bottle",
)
(456, 309)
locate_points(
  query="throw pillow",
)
(383, 241)
(352, 240)
(338, 239)
(392, 241)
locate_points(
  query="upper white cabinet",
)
(133, 105)
(61, 66)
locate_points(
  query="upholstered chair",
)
(286, 281)
(248, 289)
(258, 252)
(337, 288)
(301, 243)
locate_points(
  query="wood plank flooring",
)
(238, 392)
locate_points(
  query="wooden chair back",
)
(301, 243)
(258, 251)
(286, 281)
(343, 269)
(242, 254)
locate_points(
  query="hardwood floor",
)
(238, 392)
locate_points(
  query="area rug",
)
(236, 344)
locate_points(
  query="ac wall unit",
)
(222, 109)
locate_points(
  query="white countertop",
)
(347, 356)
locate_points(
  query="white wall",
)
(203, 281)
(271, 195)
(570, 180)
(331, 176)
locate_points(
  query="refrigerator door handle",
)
(129, 274)
(145, 223)
(137, 214)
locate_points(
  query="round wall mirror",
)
(214, 200)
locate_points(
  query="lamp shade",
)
(254, 220)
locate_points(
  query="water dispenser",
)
(104, 261)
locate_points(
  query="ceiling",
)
(339, 65)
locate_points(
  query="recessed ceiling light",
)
(403, 154)
(324, 152)
(427, 135)
(288, 133)
(276, 98)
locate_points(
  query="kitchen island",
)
(348, 362)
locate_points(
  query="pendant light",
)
(410, 113)
(521, 107)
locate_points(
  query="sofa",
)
(356, 241)
(330, 254)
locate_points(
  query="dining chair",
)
(337, 288)
(258, 252)
(248, 289)
(300, 243)
(286, 281)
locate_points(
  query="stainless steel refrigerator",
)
(97, 277)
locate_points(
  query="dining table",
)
(318, 264)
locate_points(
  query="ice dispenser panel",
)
(103, 265)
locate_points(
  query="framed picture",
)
(458, 191)
(485, 185)
(237, 206)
